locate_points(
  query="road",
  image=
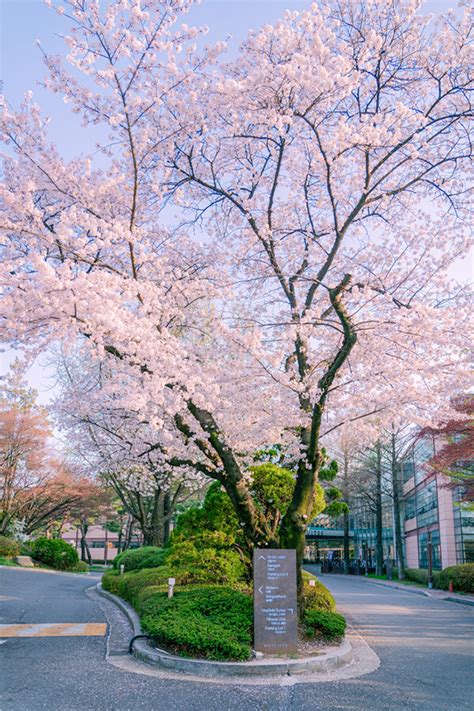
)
(426, 649)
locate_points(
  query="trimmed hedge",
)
(420, 575)
(321, 623)
(56, 553)
(207, 621)
(317, 596)
(462, 577)
(8, 547)
(130, 585)
(139, 558)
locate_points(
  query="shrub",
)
(205, 564)
(8, 547)
(321, 623)
(139, 558)
(55, 552)
(420, 575)
(316, 597)
(110, 581)
(80, 567)
(6, 561)
(208, 621)
(462, 577)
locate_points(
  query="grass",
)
(6, 561)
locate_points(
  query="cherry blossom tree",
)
(326, 168)
(36, 488)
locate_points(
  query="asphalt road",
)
(426, 649)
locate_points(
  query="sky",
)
(22, 22)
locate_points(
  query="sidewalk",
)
(465, 599)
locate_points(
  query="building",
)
(103, 545)
(431, 509)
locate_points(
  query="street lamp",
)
(430, 561)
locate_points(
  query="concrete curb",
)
(459, 600)
(405, 588)
(333, 658)
(425, 593)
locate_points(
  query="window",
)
(410, 507)
(408, 470)
(427, 505)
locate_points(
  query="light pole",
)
(430, 561)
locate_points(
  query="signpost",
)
(275, 601)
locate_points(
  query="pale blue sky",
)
(22, 22)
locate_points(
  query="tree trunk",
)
(397, 498)
(347, 560)
(128, 534)
(346, 514)
(293, 528)
(378, 514)
(85, 552)
(106, 549)
(167, 517)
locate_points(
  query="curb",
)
(459, 600)
(425, 593)
(405, 588)
(334, 658)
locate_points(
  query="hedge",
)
(139, 558)
(214, 622)
(56, 553)
(317, 596)
(8, 547)
(420, 575)
(461, 576)
(321, 623)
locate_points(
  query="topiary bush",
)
(321, 623)
(55, 552)
(139, 558)
(315, 597)
(206, 621)
(8, 547)
(462, 577)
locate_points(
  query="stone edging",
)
(334, 658)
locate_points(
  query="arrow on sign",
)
(260, 590)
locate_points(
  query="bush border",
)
(334, 658)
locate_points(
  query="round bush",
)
(461, 576)
(139, 558)
(320, 623)
(210, 622)
(8, 547)
(55, 552)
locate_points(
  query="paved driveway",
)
(426, 648)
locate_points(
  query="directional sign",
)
(275, 610)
